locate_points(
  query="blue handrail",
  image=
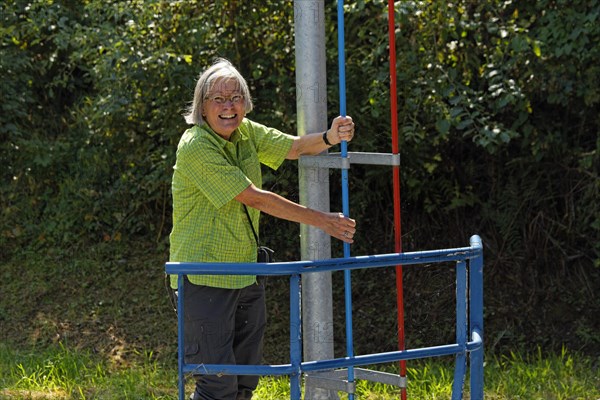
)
(469, 336)
(334, 264)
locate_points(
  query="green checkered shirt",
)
(209, 225)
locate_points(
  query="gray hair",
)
(221, 69)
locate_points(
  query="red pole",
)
(396, 187)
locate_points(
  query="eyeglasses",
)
(235, 99)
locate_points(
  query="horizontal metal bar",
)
(226, 369)
(335, 161)
(334, 264)
(334, 364)
(360, 373)
(381, 358)
(378, 376)
(332, 380)
(338, 379)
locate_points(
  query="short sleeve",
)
(209, 170)
(272, 145)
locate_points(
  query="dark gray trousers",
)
(224, 326)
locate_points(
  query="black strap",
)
(251, 225)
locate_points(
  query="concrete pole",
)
(311, 104)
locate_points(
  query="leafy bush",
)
(497, 116)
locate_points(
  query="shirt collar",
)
(237, 135)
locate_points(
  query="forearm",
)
(333, 224)
(280, 207)
(309, 144)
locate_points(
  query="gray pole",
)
(311, 104)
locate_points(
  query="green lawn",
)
(58, 372)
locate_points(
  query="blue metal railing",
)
(469, 329)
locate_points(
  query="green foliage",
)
(93, 102)
(498, 121)
(499, 134)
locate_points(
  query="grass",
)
(560, 377)
(78, 325)
(62, 373)
(59, 372)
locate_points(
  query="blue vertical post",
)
(295, 337)
(476, 318)
(345, 200)
(180, 345)
(461, 330)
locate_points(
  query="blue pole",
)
(345, 201)
(295, 337)
(476, 318)
(461, 330)
(180, 347)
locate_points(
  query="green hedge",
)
(498, 120)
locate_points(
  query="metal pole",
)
(345, 195)
(180, 337)
(295, 337)
(311, 104)
(476, 319)
(396, 187)
(460, 363)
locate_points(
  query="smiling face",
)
(223, 108)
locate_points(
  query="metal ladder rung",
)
(336, 379)
(334, 161)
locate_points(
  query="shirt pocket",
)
(251, 168)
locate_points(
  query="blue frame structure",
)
(469, 316)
